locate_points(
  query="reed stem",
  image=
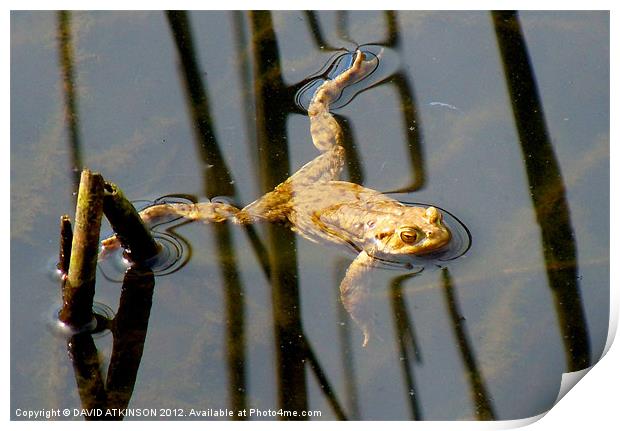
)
(79, 289)
(66, 237)
(126, 222)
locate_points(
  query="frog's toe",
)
(366, 337)
(109, 246)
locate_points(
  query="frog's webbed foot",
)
(325, 130)
(360, 68)
(354, 291)
(208, 212)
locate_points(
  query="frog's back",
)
(336, 211)
(318, 197)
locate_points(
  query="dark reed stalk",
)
(66, 237)
(128, 225)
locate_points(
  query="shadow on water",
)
(547, 190)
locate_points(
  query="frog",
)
(317, 205)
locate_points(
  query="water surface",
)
(203, 104)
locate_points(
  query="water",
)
(482, 337)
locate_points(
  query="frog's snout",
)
(433, 215)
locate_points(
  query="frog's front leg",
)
(354, 291)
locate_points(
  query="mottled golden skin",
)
(322, 209)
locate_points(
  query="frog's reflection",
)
(313, 203)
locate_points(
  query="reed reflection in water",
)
(547, 190)
(129, 328)
(218, 181)
(277, 252)
(72, 119)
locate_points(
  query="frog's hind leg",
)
(208, 212)
(325, 130)
(326, 167)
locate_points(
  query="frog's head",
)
(418, 231)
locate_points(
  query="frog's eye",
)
(409, 236)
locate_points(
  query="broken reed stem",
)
(66, 237)
(126, 222)
(79, 289)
